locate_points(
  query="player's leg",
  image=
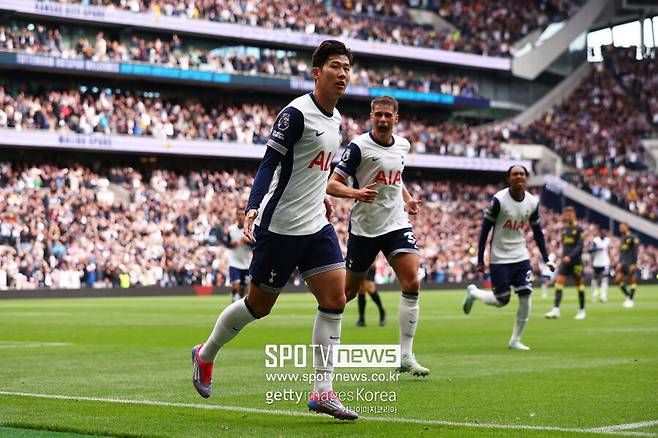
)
(560, 281)
(234, 278)
(244, 282)
(371, 287)
(499, 297)
(596, 274)
(405, 265)
(521, 279)
(630, 279)
(604, 285)
(269, 272)
(580, 286)
(322, 267)
(361, 322)
(545, 281)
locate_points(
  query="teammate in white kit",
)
(379, 222)
(599, 253)
(290, 211)
(547, 276)
(239, 256)
(511, 209)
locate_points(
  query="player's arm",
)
(538, 234)
(347, 166)
(487, 224)
(287, 131)
(412, 205)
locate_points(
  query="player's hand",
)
(482, 268)
(329, 207)
(413, 205)
(249, 219)
(566, 259)
(552, 266)
(367, 194)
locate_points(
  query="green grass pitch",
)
(109, 359)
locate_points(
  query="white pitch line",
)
(306, 414)
(17, 344)
(626, 426)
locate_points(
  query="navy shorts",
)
(361, 251)
(276, 256)
(236, 275)
(370, 276)
(506, 277)
(600, 270)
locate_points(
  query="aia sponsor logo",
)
(322, 160)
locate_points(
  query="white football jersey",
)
(240, 256)
(366, 161)
(308, 137)
(510, 217)
(600, 255)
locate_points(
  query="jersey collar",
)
(322, 110)
(372, 137)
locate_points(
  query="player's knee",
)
(503, 300)
(411, 286)
(259, 310)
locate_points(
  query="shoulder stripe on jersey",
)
(286, 172)
(341, 172)
(277, 146)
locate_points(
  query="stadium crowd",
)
(65, 227)
(485, 27)
(172, 52)
(107, 111)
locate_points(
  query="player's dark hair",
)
(329, 48)
(384, 100)
(509, 171)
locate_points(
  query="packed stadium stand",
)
(484, 27)
(153, 215)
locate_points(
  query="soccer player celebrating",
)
(375, 162)
(627, 268)
(368, 287)
(600, 265)
(573, 240)
(511, 209)
(239, 256)
(290, 217)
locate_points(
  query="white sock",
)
(228, 325)
(595, 286)
(522, 315)
(408, 317)
(486, 296)
(544, 290)
(604, 288)
(234, 297)
(326, 335)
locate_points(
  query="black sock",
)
(375, 297)
(362, 307)
(624, 290)
(581, 299)
(631, 294)
(558, 297)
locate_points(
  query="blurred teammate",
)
(573, 240)
(626, 275)
(600, 265)
(511, 209)
(239, 256)
(368, 287)
(290, 217)
(379, 222)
